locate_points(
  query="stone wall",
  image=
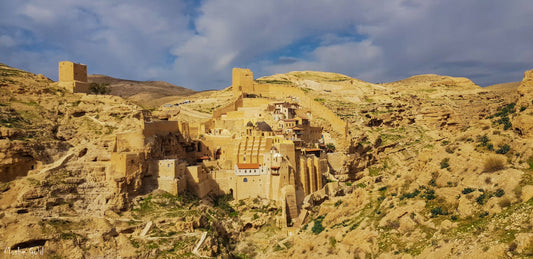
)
(160, 128)
(232, 106)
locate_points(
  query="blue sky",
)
(195, 44)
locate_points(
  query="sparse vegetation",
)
(503, 116)
(274, 81)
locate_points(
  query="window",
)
(245, 180)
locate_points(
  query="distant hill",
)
(145, 93)
(505, 86)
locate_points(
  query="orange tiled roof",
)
(248, 166)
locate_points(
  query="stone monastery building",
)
(251, 147)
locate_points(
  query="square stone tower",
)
(73, 77)
(243, 81)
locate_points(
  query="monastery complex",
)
(261, 144)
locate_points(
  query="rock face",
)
(524, 121)
(525, 90)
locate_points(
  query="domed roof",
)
(263, 126)
(249, 124)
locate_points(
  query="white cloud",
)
(486, 40)
(359, 59)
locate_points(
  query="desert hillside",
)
(146, 93)
(431, 166)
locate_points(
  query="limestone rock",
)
(527, 193)
(525, 90)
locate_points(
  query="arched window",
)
(245, 180)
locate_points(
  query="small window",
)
(245, 180)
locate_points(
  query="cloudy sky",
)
(196, 43)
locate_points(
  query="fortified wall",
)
(73, 77)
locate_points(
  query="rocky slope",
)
(438, 167)
(435, 166)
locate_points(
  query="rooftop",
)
(248, 166)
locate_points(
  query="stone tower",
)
(73, 77)
(243, 80)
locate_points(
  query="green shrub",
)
(467, 190)
(444, 163)
(484, 140)
(332, 241)
(330, 147)
(429, 194)
(482, 199)
(410, 195)
(438, 211)
(503, 149)
(499, 192)
(317, 227)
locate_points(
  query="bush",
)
(438, 211)
(506, 123)
(410, 195)
(97, 88)
(330, 147)
(444, 163)
(429, 194)
(493, 164)
(503, 149)
(467, 190)
(499, 193)
(483, 139)
(317, 227)
(482, 199)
